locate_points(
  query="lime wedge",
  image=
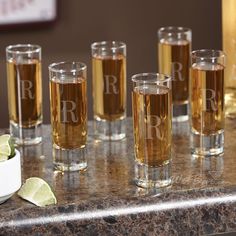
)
(38, 192)
(6, 147)
(3, 157)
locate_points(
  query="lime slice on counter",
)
(38, 192)
(7, 148)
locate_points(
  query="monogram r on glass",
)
(174, 47)
(109, 89)
(207, 102)
(152, 122)
(68, 101)
(24, 81)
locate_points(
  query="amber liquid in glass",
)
(174, 59)
(229, 47)
(207, 98)
(69, 112)
(25, 93)
(152, 124)
(109, 87)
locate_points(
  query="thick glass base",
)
(26, 136)
(207, 145)
(180, 112)
(69, 159)
(109, 130)
(152, 177)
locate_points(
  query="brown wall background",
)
(135, 22)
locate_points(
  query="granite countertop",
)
(103, 200)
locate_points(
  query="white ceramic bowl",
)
(10, 177)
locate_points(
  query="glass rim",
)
(111, 44)
(170, 30)
(207, 54)
(31, 48)
(151, 77)
(52, 67)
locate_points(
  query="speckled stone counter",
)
(104, 200)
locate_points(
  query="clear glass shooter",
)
(174, 47)
(109, 89)
(68, 101)
(152, 122)
(207, 116)
(24, 79)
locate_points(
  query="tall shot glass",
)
(109, 89)
(174, 47)
(207, 102)
(152, 122)
(24, 79)
(68, 101)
